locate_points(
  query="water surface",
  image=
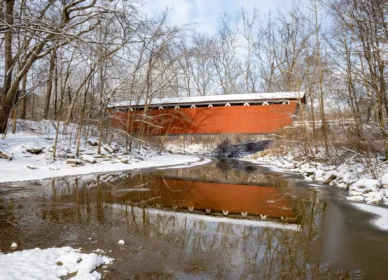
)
(225, 220)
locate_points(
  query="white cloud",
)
(204, 13)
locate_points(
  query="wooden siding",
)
(254, 119)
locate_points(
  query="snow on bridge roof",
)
(231, 98)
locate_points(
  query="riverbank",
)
(30, 153)
(364, 182)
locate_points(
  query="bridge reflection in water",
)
(208, 197)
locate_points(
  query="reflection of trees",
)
(8, 223)
(73, 202)
(205, 248)
(229, 171)
(226, 164)
(245, 252)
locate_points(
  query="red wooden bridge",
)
(256, 113)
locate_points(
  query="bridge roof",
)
(231, 98)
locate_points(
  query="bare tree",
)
(46, 27)
(367, 21)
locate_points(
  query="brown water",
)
(174, 226)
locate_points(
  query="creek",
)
(225, 220)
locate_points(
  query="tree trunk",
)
(321, 94)
(5, 100)
(49, 85)
(56, 90)
(58, 123)
(14, 112)
(24, 100)
(5, 110)
(101, 129)
(80, 125)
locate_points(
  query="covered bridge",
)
(255, 113)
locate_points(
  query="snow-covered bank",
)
(52, 263)
(32, 157)
(381, 214)
(354, 176)
(190, 149)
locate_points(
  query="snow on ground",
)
(52, 263)
(381, 219)
(354, 176)
(26, 166)
(190, 149)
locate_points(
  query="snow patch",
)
(52, 263)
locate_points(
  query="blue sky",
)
(205, 12)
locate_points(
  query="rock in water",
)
(331, 178)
